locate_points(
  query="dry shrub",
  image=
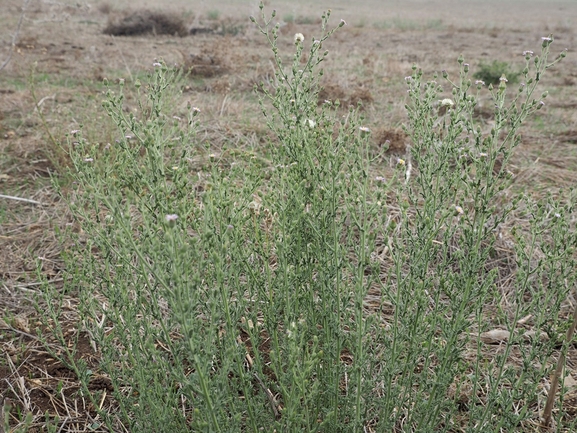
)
(212, 61)
(288, 29)
(360, 95)
(105, 8)
(145, 22)
(206, 65)
(201, 30)
(394, 139)
(220, 85)
(569, 136)
(333, 91)
(482, 112)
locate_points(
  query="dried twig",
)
(2, 414)
(25, 200)
(558, 371)
(15, 35)
(269, 396)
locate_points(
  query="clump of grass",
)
(491, 73)
(213, 14)
(227, 297)
(408, 25)
(302, 19)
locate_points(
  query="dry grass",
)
(366, 65)
(145, 22)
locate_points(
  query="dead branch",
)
(15, 35)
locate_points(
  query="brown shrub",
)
(105, 8)
(333, 91)
(213, 60)
(361, 95)
(206, 65)
(394, 139)
(145, 22)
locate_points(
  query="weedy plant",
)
(223, 297)
(491, 73)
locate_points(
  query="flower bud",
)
(546, 41)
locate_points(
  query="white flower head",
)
(171, 217)
(311, 123)
(299, 38)
(447, 103)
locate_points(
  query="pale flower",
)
(447, 103)
(299, 38)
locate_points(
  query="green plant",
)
(453, 210)
(224, 296)
(231, 27)
(213, 15)
(491, 73)
(305, 20)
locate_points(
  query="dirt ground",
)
(62, 56)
